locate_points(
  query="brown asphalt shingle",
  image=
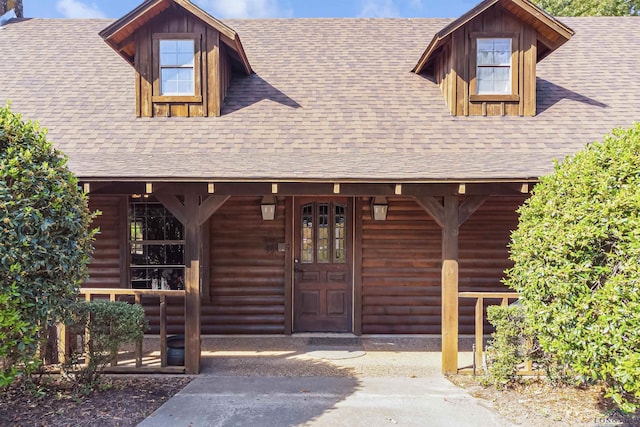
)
(331, 99)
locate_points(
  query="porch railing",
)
(504, 298)
(90, 294)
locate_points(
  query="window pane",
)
(340, 255)
(493, 80)
(155, 223)
(485, 52)
(169, 81)
(151, 224)
(306, 253)
(502, 80)
(177, 81)
(323, 233)
(174, 229)
(176, 53)
(140, 278)
(502, 51)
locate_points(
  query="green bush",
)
(45, 242)
(110, 325)
(16, 335)
(506, 350)
(576, 256)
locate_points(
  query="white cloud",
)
(245, 8)
(78, 9)
(416, 4)
(379, 9)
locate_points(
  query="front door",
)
(323, 284)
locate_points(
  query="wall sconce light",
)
(379, 208)
(268, 208)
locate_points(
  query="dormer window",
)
(177, 64)
(485, 61)
(493, 66)
(184, 58)
(177, 71)
(494, 71)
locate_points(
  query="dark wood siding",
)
(247, 277)
(106, 267)
(213, 68)
(484, 254)
(454, 69)
(400, 270)
(401, 264)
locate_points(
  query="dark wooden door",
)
(323, 285)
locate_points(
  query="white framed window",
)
(177, 67)
(493, 66)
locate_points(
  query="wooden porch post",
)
(193, 214)
(192, 285)
(450, 217)
(450, 285)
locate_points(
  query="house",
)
(316, 175)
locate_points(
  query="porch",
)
(322, 263)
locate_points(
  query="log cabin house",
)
(321, 175)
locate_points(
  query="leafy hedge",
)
(45, 239)
(576, 256)
(110, 325)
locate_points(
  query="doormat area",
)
(334, 341)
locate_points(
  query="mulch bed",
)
(121, 401)
(538, 404)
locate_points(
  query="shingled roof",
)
(331, 99)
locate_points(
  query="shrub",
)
(506, 350)
(16, 335)
(576, 256)
(45, 241)
(110, 325)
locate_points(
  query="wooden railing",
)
(90, 294)
(480, 297)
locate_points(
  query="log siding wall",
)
(401, 266)
(401, 260)
(109, 260)
(484, 253)
(247, 277)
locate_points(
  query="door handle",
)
(296, 265)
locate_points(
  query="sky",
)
(260, 8)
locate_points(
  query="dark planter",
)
(175, 350)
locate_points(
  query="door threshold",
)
(324, 335)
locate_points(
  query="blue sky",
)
(260, 8)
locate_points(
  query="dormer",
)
(485, 61)
(183, 57)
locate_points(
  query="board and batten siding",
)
(454, 68)
(212, 65)
(401, 264)
(246, 274)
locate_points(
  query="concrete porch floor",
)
(327, 354)
(323, 380)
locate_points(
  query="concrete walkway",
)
(308, 381)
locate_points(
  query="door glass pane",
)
(306, 251)
(323, 233)
(339, 254)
